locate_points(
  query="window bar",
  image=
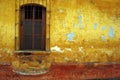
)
(19, 23)
(32, 25)
(41, 27)
(37, 11)
(26, 13)
(21, 26)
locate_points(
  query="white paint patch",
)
(8, 51)
(76, 59)
(92, 46)
(61, 10)
(81, 49)
(68, 49)
(67, 59)
(57, 49)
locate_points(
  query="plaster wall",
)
(80, 30)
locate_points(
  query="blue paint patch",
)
(95, 26)
(103, 38)
(80, 22)
(104, 28)
(70, 36)
(111, 32)
(80, 19)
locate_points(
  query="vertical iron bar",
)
(32, 26)
(19, 24)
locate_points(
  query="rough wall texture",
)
(80, 30)
(7, 29)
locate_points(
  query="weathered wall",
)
(85, 30)
(80, 30)
(7, 16)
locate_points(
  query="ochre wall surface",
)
(80, 30)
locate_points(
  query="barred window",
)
(32, 27)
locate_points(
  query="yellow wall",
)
(80, 30)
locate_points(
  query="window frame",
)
(47, 35)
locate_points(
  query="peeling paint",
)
(68, 49)
(103, 38)
(92, 46)
(80, 17)
(62, 19)
(61, 10)
(70, 36)
(76, 59)
(80, 21)
(111, 32)
(57, 49)
(103, 28)
(67, 59)
(6, 50)
(95, 26)
(81, 49)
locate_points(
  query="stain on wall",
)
(80, 21)
(103, 38)
(111, 32)
(103, 28)
(95, 26)
(70, 36)
(81, 30)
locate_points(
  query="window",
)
(32, 27)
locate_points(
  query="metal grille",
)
(30, 43)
